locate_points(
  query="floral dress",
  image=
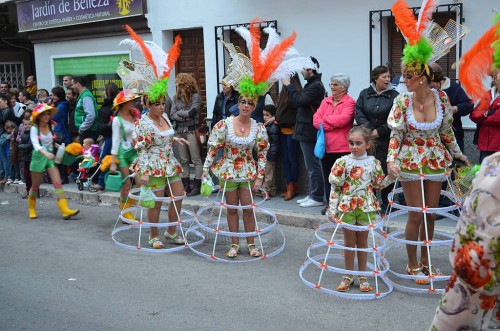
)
(414, 145)
(353, 180)
(237, 163)
(474, 288)
(155, 155)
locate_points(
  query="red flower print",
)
(337, 170)
(451, 282)
(445, 138)
(357, 172)
(262, 172)
(442, 164)
(420, 142)
(487, 301)
(345, 188)
(470, 265)
(397, 113)
(262, 144)
(407, 102)
(213, 152)
(411, 127)
(377, 205)
(238, 163)
(407, 143)
(424, 161)
(344, 207)
(178, 169)
(147, 139)
(261, 156)
(219, 125)
(406, 163)
(413, 166)
(420, 150)
(235, 150)
(433, 164)
(447, 156)
(140, 138)
(220, 145)
(361, 202)
(431, 142)
(353, 203)
(393, 144)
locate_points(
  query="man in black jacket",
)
(307, 102)
(223, 102)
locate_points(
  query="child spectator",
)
(42, 96)
(273, 132)
(15, 168)
(5, 138)
(353, 178)
(26, 149)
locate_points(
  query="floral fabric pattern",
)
(237, 162)
(353, 182)
(474, 288)
(155, 155)
(414, 144)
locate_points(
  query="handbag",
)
(146, 197)
(319, 148)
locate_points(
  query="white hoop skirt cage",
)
(441, 242)
(134, 235)
(211, 223)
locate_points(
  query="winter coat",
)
(6, 114)
(458, 98)
(489, 131)
(186, 117)
(219, 113)
(273, 134)
(372, 110)
(105, 114)
(25, 147)
(336, 122)
(312, 95)
(61, 117)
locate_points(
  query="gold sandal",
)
(254, 251)
(364, 286)
(233, 251)
(425, 270)
(417, 272)
(345, 284)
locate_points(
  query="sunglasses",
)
(247, 102)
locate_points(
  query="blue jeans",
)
(5, 163)
(314, 172)
(15, 171)
(106, 150)
(289, 148)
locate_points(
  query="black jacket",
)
(273, 134)
(217, 113)
(459, 98)
(372, 110)
(104, 118)
(312, 95)
(25, 147)
(6, 114)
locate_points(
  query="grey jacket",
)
(186, 117)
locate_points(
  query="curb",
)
(285, 217)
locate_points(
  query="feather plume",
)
(257, 64)
(273, 40)
(290, 67)
(425, 15)
(406, 21)
(159, 57)
(273, 59)
(173, 55)
(245, 34)
(476, 64)
(139, 43)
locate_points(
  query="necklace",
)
(421, 104)
(242, 128)
(160, 124)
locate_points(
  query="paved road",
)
(69, 275)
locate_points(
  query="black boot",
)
(187, 184)
(196, 188)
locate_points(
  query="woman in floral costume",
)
(238, 136)
(474, 288)
(353, 178)
(158, 169)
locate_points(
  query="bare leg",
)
(36, 180)
(432, 193)
(154, 213)
(54, 175)
(248, 216)
(178, 189)
(362, 242)
(413, 196)
(349, 241)
(232, 214)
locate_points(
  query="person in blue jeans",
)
(5, 139)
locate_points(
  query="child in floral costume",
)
(474, 288)
(353, 179)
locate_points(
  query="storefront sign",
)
(46, 14)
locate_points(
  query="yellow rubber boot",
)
(129, 215)
(65, 211)
(32, 208)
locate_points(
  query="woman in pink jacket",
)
(336, 113)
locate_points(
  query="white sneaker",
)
(311, 203)
(307, 198)
(20, 182)
(9, 181)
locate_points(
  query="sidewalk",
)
(287, 212)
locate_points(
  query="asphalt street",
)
(69, 275)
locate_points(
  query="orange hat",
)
(43, 107)
(124, 96)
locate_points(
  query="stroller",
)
(88, 168)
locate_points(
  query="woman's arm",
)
(262, 146)
(318, 115)
(336, 179)
(342, 118)
(216, 141)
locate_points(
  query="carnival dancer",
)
(354, 178)
(421, 139)
(238, 136)
(121, 146)
(42, 139)
(153, 139)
